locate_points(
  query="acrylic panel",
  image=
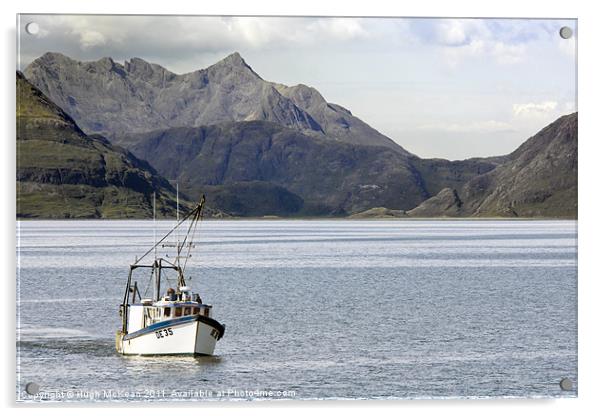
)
(295, 208)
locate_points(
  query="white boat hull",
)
(191, 335)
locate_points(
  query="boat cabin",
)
(173, 305)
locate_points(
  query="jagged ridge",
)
(111, 99)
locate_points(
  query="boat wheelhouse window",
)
(178, 311)
(206, 311)
(166, 311)
(195, 311)
(187, 311)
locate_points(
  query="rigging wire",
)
(198, 217)
(194, 211)
(149, 282)
(155, 223)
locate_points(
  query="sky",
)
(448, 88)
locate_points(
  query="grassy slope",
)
(62, 173)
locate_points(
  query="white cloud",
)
(500, 52)
(533, 116)
(194, 37)
(506, 42)
(339, 28)
(200, 33)
(90, 38)
(458, 32)
(530, 110)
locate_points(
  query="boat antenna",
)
(155, 223)
(177, 221)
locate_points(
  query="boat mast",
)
(158, 282)
(177, 221)
(155, 223)
(156, 264)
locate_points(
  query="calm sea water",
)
(313, 309)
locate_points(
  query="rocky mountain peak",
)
(54, 57)
(234, 59)
(233, 64)
(51, 63)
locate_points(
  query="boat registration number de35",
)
(162, 333)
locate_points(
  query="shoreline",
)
(275, 219)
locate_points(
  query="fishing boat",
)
(175, 321)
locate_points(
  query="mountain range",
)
(260, 148)
(111, 99)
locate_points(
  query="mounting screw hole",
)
(566, 384)
(566, 32)
(32, 388)
(32, 28)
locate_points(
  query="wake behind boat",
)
(177, 322)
